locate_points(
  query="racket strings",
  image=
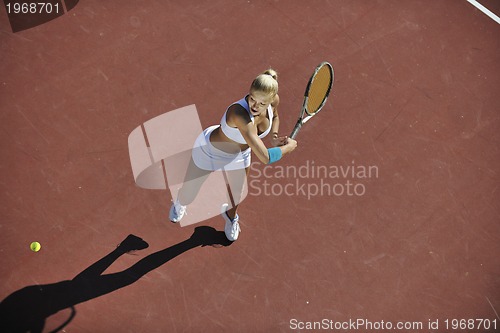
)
(319, 89)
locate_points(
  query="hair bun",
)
(266, 81)
(272, 73)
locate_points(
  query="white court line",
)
(485, 10)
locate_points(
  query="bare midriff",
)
(220, 141)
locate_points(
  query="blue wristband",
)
(274, 154)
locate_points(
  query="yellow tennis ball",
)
(35, 246)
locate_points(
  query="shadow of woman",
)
(26, 309)
(30, 14)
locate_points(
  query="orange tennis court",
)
(386, 218)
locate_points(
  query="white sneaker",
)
(232, 227)
(177, 211)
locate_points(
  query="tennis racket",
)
(316, 94)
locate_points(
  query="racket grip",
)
(296, 129)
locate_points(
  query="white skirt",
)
(207, 157)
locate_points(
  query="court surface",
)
(403, 226)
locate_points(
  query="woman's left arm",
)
(276, 140)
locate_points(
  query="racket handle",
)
(296, 129)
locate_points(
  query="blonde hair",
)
(266, 82)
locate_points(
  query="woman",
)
(228, 146)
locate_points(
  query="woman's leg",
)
(194, 179)
(236, 181)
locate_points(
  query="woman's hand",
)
(289, 146)
(278, 141)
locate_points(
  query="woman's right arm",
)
(249, 133)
